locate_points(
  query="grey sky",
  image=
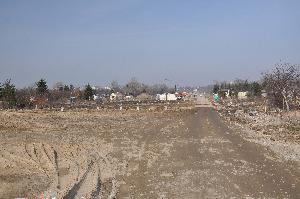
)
(189, 42)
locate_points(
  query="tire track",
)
(57, 169)
(74, 190)
(36, 159)
(95, 194)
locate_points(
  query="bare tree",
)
(133, 87)
(159, 89)
(282, 84)
(115, 86)
(23, 97)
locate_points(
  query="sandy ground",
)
(136, 154)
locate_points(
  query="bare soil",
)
(181, 152)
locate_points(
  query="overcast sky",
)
(189, 42)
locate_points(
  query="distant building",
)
(243, 95)
(166, 96)
(116, 96)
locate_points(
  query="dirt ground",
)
(182, 153)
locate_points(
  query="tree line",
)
(282, 86)
(11, 97)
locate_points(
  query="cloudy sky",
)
(189, 42)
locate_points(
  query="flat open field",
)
(179, 153)
(80, 153)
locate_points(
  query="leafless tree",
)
(133, 87)
(158, 89)
(115, 86)
(282, 85)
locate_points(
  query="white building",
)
(242, 95)
(166, 96)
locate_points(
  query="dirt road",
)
(205, 159)
(208, 160)
(178, 154)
